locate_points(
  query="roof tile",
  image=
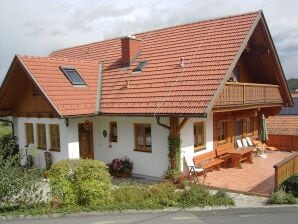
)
(163, 87)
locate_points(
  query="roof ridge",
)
(164, 28)
(56, 58)
(201, 21)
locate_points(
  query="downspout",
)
(161, 124)
(98, 94)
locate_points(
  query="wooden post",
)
(173, 133)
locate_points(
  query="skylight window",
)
(140, 66)
(73, 76)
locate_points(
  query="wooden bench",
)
(208, 161)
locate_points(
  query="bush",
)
(18, 186)
(80, 182)
(282, 197)
(8, 146)
(290, 185)
(221, 198)
(196, 196)
(136, 196)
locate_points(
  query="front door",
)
(86, 140)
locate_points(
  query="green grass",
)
(4, 129)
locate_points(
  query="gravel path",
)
(243, 201)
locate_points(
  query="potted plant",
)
(121, 167)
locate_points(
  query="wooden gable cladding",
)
(21, 97)
(231, 118)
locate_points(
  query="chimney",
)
(131, 49)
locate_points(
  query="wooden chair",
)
(239, 144)
(257, 149)
(193, 170)
(263, 145)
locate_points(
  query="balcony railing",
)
(237, 94)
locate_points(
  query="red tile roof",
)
(283, 125)
(163, 87)
(68, 100)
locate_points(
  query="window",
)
(29, 133)
(113, 132)
(222, 132)
(143, 141)
(55, 137)
(41, 136)
(249, 126)
(73, 76)
(199, 135)
(243, 128)
(140, 66)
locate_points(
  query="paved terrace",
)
(256, 178)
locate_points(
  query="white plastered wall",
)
(149, 164)
(187, 138)
(39, 160)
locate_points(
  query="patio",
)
(256, 178)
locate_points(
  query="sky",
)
(38, 27)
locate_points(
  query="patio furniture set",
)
(228, 158)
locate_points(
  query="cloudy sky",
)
(37, 27)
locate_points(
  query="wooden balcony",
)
(241, 94)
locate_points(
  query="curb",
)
(133, 211)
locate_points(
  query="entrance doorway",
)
(86, 140)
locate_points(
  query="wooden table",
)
(240, 155)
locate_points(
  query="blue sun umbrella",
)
(263, 134)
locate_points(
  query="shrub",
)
(136, 196)
(93, 182)
(8, 146)
(196, 196)
(80, 182)
(221, 198)
(282, 197)
(290, 185)
(18, 186)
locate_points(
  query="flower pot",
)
(122, 175)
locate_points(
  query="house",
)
(283, 128)
(207, 82)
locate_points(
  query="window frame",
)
(249, 130)
(65, 69)
(31, 137)
(141, 65)
(143, 127)
(55, 146)
(112, 136)
(38, 131)
(225, 129)
(245, 127)
(196, 126)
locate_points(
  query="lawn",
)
(5, 128)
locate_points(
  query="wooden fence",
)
(284, 142)
(285, 168)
